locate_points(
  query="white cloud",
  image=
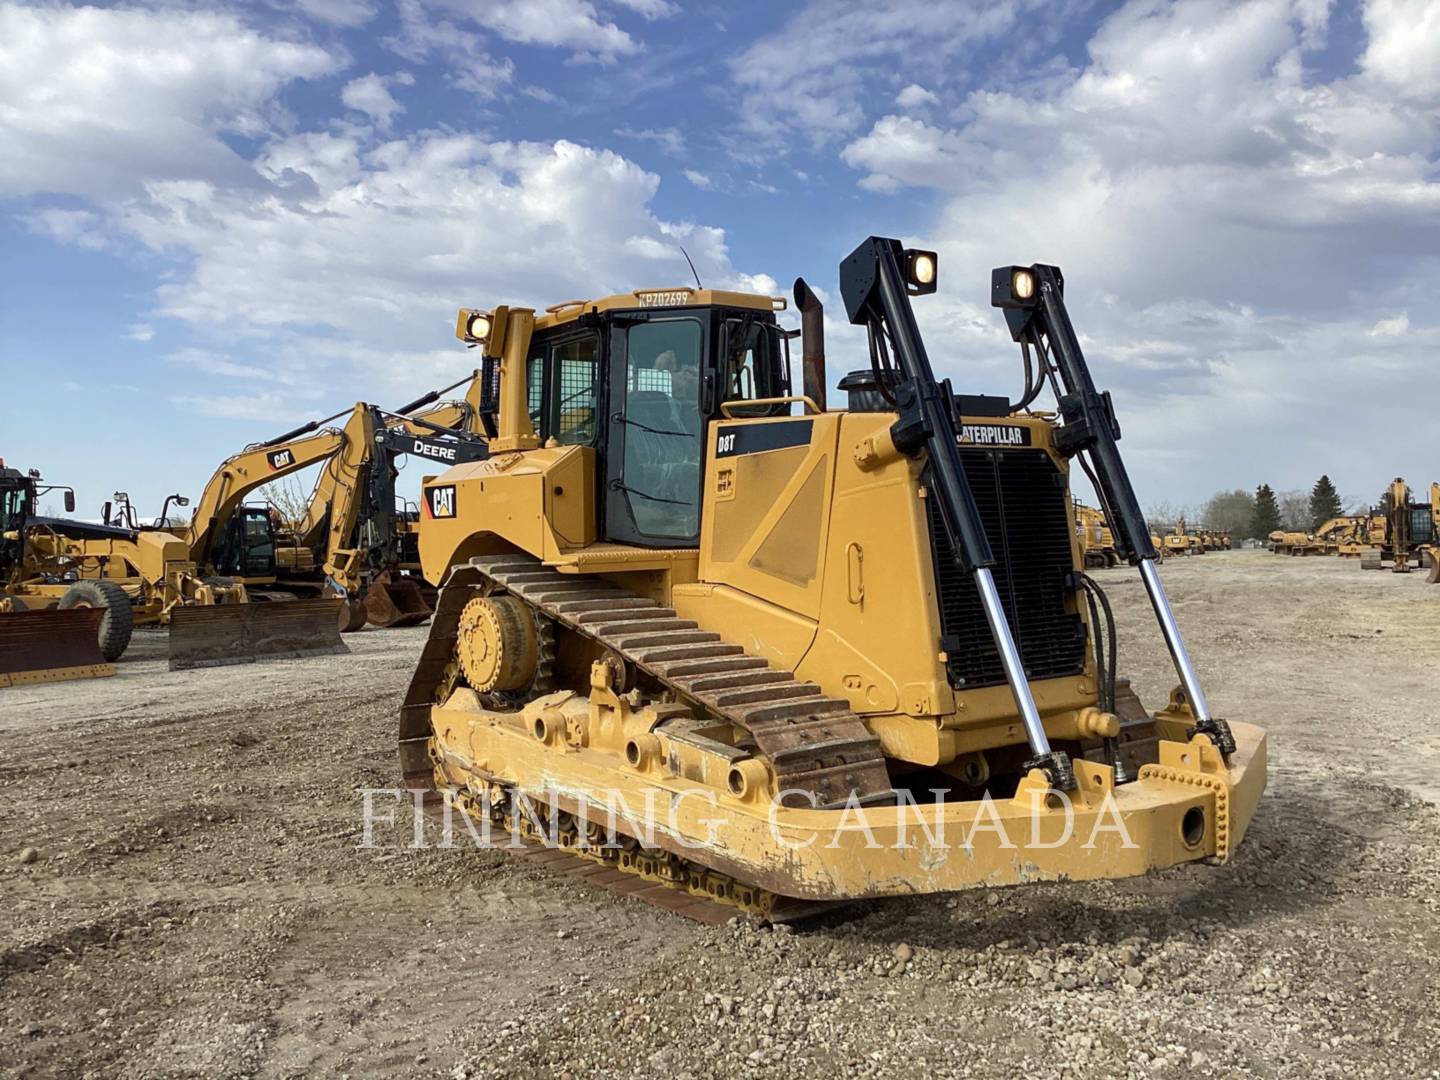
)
(567, 24)
(670, 140)
(914, 96)
(813, 77)
(141, 332)
(1392, 327)
(1404, 46)
(423, 35)
(347, 13)
(371, 95)
(79, 228)
(651, 9)
(699, 179)
(94, 102)
(1211, 202)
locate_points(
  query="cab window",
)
(663, 428)
(562, 389)
(751, 366)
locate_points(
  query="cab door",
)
(655, 431)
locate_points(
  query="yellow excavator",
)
(1410, 531)
(351, 542)
(697, 628)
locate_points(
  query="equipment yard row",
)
(193, 896)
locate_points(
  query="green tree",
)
(1324, 502)
(1230, 511)
(1266, 518)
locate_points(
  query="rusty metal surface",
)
(396, 603)
(221, 634)
(56, 640)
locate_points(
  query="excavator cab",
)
(246, 550)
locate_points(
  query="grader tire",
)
(118, 622)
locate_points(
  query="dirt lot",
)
(198, 903)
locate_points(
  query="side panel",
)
(540, 502)
(767, 496)
(878, 645)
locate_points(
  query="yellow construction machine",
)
(696, 627)
(135, 576)
(1178, 542)
(44, 640)
(1410, 531)
(1097, 542)
(353, 542)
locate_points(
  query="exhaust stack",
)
(812, 341)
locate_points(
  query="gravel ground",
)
(186, 894)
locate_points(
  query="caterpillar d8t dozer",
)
(695, 627)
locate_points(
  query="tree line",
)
(1246, 514)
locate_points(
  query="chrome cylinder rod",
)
(1010, 660)
(1168, 627)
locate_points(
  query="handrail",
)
(791, 399)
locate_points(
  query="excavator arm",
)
(254, 467)
(458, 415)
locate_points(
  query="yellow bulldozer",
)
(698, 628)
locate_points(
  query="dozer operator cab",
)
(639, 385)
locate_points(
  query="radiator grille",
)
(1021, 498)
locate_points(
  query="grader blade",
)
(214, 636)
(396, 603)
(51, 645)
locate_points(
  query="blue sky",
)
(221, 220)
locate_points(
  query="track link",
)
(821, 752)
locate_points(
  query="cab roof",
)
(672, 296)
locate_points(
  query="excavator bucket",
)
(396, 603)
(221, 634)
(51, 645)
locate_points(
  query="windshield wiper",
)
(622, 419)
(620, 485)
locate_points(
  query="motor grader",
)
(698, 628)
(43, 639)
(135, 576)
